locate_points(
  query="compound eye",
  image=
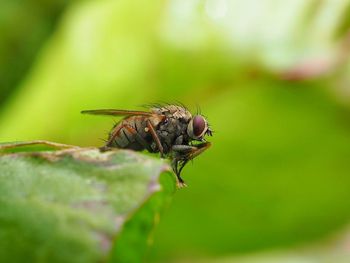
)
(199, 126)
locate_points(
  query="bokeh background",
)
(273, 78)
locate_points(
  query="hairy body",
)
(167, 129)
(170, 129)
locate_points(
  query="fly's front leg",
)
(180, 182)
(184, 153)
(180, 159)
(189, 152)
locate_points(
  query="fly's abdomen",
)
(130, 133)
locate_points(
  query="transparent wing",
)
(114, 112)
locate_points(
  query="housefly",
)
(170, 130)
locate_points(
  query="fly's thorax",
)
(170, 130)
(173, 111)
(173, 126)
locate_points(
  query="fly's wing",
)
(114, 112)
(154, 118)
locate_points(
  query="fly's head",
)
(198, 128)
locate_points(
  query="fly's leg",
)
(188, 152)
(180, 182)
(156, 138)
(184, 153)
(36, 142)
(181, 155)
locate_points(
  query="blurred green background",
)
(271, 76)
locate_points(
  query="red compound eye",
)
(199, 126)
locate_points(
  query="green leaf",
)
(79, 205)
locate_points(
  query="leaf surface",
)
(79, 205)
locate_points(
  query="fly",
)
(170, 130)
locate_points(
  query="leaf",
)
(333, 249)
(79, 205)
